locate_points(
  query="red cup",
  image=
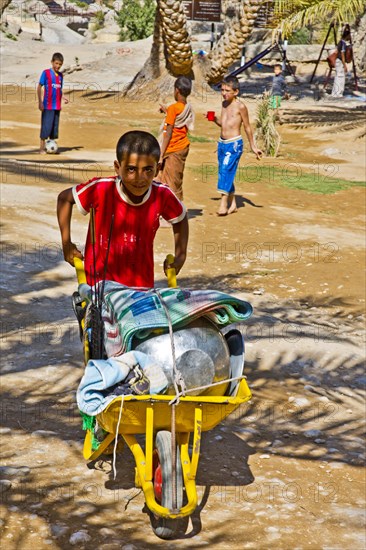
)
(211, 115)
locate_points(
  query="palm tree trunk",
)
(359, 44)
(237, 30)
(175, 36)
(4, 4)
(170, 56)
(171, 53)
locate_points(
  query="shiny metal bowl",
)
(202, 356)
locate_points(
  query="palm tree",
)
(359, 43)
(296, 14)
(171, 52)
(175, 37)
(292, 15)
(4, 4)
(237, 30)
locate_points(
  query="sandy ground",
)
(286, 470)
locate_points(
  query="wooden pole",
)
(321, 51)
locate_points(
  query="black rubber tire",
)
(96, 339)
(168, 528)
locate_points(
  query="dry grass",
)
(266, 132)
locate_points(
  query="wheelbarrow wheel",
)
(96, 333)
(166, 528)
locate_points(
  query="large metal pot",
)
(201, 352)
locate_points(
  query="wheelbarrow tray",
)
(148, 414)
(131, 415)
(133, 420)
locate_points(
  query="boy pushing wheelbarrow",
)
(155, 340)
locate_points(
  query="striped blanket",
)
(129, 313)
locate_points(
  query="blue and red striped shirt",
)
(52, 83)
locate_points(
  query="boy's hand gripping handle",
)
(170, 272)
(80, 273)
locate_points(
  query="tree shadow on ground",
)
(57, 509)
(39, 322)
(35, 150)
(270, 423)
(39, 326)
(344, 118)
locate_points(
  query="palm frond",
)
(292, 15)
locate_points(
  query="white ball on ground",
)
(51, 147)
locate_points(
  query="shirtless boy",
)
(234, 115)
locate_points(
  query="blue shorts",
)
(229, 152)
(49, 124)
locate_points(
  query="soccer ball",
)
(51, 147)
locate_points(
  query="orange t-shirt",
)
(179, 139)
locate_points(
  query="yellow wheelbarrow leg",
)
(189, 467)
(88, 452)
(144, 464)
(144, 473)
(88, 442)
(196, 441)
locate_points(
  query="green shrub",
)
(10, 36)
(136, 19)
(99, 16)
(302, 36)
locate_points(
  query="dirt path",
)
(284, 471)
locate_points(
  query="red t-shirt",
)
(131, 260)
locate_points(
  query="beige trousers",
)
(172, 171)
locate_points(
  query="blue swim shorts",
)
(229, 152)
(49, 124)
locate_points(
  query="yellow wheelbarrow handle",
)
(80, 273)
(170, 272)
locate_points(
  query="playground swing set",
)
(277, 46)
(280, 46)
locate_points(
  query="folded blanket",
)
(186, 118)
(99, 375)
(129, 313)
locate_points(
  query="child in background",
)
(344, 50)
(175, 143)
(51, 83)
(278, 90)
(136, 201)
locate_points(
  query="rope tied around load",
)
(178, 380)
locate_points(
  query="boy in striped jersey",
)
(135, 203)
(51, 82)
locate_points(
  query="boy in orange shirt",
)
(175, 143)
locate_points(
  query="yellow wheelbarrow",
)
(165, 469)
